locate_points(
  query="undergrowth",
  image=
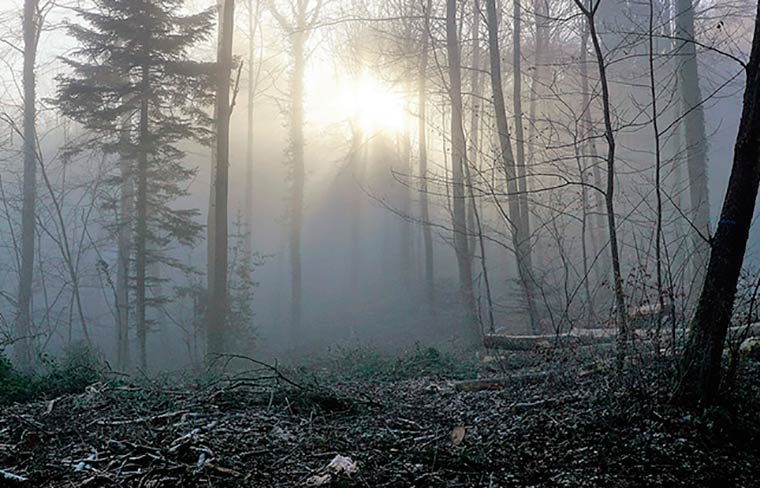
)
(364, 363)
(76, 369)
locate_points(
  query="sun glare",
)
(363, 100)
(373, 105)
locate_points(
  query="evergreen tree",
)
(133, 86)
(241, 287)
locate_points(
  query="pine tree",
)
(134, 87)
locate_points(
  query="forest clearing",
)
(367, 243)
(405, 420)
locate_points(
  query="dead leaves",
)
(339, 467)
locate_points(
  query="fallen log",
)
(588, 337)
(531, 342)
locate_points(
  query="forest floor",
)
(371, 422)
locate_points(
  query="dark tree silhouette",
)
(701, 362)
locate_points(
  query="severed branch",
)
(273, 368)
(10, 477)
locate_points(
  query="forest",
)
(337, 243)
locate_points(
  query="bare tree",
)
(621, 315)
(298, 30)
(23, 332)
(700, 376)
(519, 226)
(422, 121)
(695, 136)
(458, 158)
(254, 11)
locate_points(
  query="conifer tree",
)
(133, 86)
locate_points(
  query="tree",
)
(700, 376)
(427, 235)
(124, 253)
(298, 31)
(217, 214)
(23, 332)
(133, 86)
(621, 315)
(695, 136)
(254, 11)
(458, 159)
(520, 230)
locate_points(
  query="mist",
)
(362, 244)
(379, 243)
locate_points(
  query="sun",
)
(373, 106)
(361, 100)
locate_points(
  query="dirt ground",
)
(567, 428)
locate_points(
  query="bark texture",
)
(701, 361)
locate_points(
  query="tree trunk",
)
(253, 13)
(405, 237)
(458, 159)
(701, 362)
(696, 146)
(522, 183)
(357, 158)
(476, 91)
(217, 275)
(621, 316)
(298, 172)
(591, 156)
(122, 265)
(23, 332)
(520, 236)
(141, 227)
(540, 13)
(427, 235)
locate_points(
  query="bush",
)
(76, 369)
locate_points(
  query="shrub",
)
(76, 369)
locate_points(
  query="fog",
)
(362, 237)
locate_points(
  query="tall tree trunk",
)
(522, 183)
(122, 265)
(621, 315)
(217, 275)
(539, 44)
(591, 156)
(701, 362)
(658, 175)
(520, 233)
(476, 92)
(427, 235)
(141, 226)
(253, 13)
(458, 159)
(405, 241)
(696, 146)
(298, 174)
(23, 332)
(357, 159)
